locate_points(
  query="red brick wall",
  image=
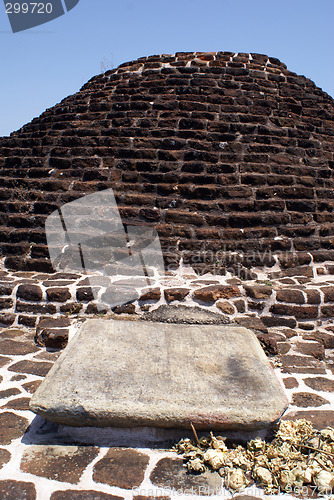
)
(222, 153)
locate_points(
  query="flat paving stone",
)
(247, 497)
(123, 468)
(39, 368)
(11, 333)
(15, 348)
(9, 392)
(307, 399)
(60, 463)
(143, 497)
(170, 473)
(18, 404)
(4, 361)
(17, 490)
(320, 384)
(11, 427)
(83, 495)
(18, 377)
(135, 373)
(5, 456)
(32, 387)
(319, 418)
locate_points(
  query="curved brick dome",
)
(229, 156)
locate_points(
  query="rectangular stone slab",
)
(138, 373)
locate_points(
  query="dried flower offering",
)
(297, 457)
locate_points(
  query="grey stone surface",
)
(134, 373)
(181, 314)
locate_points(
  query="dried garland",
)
(298, 456)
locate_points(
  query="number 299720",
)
(29, 8)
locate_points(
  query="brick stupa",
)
(217, 151)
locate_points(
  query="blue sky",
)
(41, 66)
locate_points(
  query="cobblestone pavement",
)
(42, 461)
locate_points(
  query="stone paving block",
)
(289, 382)
(34, 368)
(47, 355)
(247, 497)
(16, 378)
(60, 463)
(141, 497)
(170, 473)
(319, 418)
(315, 349)
(5, 456)
(9, 392)
(314, 370)
(11, 333)
(83, 495)
(307, 399)
(124, 468)
(17, 490)
(4, 361)
(27, 320)
(11, 427)
(58, 294)
(320, 384)
(32, 386)
(18, 404)
(17, 348)
(138, 373)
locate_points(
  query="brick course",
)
(201, 144)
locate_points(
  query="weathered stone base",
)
(301, 299)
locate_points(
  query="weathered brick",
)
(58, 294)
(313, 296)
(258, 291)
(175, 294)
(214, 292)
(35, 308)
(31, 293)
(6, 289)
(291, 296)
(52, 337)
(328, 292)
(279, 321)
(85, 294)
(225, 306)
(5, 303)
(151, 294)
(315, 349)
(327, 311)
(303, 312)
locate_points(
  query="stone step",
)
(139, 373)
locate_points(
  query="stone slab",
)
(137, 373)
